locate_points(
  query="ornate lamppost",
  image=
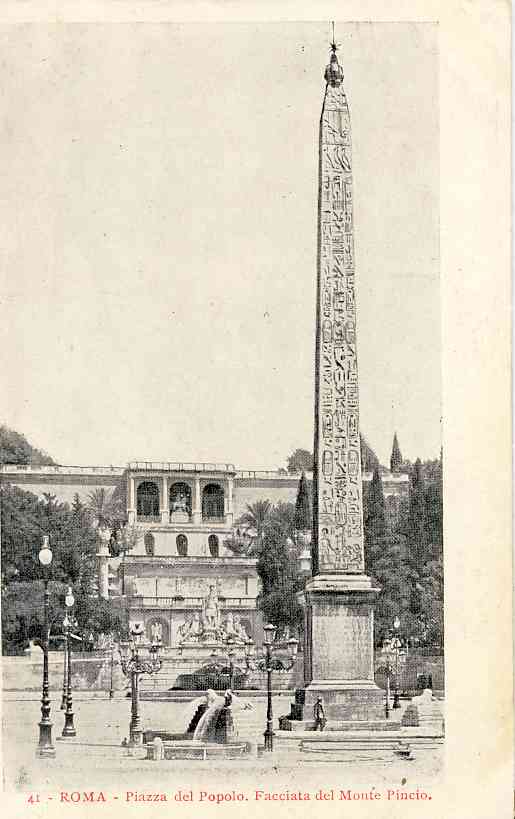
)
(265, 664)
(69, 623)
(134, 666)
(112, 647)
(230, 657)
(65, 669)
(45, 747)
(396, 646)
(387, 656)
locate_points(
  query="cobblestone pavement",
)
(95, 759)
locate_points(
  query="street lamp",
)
(269, 639)
(230, 656)
(45, 747)
(134, 666)
(387, 656)
(69, 623)
(265, 664)
(396, 645)
(111, 686)
(65, 668)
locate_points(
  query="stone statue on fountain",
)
(211, 615)
(207, 626)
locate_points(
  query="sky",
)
(158, 237)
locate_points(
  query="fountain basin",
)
(196, 749)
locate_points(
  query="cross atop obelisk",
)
(337, 513)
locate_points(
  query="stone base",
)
(179, 517)
(286, 724)
(357, 701)
(349, 701)
(339, 655)
(192, 749)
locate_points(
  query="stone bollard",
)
(424, 712)
(158, 749)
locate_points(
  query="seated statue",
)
(229, 625)
(240, 630)
(183, 631)
(195, 627)
(180, 503)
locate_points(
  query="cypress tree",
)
(396, 457)
(375, 517)
(417, 526)
(303, 506)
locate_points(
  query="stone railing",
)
(205, 521)
(179, 602)
(180, 466)
(60, 470)
(267, 474)
(224, 560)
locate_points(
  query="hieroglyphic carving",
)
(339, 515)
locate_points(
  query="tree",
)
(396, 457)
(301, 460)
(369, 460)
(23, 612)
(80, 558)
(390, 570)
(15, 449)
(96, 616)
(303, 506)
(256, 517)
(25, 520)
(277, 569)
(101, 507)
(374, 517)
(417, 520)
(434, 513)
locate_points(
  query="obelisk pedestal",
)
(339, 650)
(339, 598)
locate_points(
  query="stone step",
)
(377, 742)
(287, 724)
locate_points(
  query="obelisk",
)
(339, 598)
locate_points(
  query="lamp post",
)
(69, 623)
(387, 656)
(65, 668)
(134, 666)
(45, 747)
(265, 664)
(396, 645)
(230, 656)
(111, 687)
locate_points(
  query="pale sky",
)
(159, 205)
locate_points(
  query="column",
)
(131, 511)
(103, 563)
(165, 509)
(197, 503)
(229, 514)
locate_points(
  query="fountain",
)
(213, 730)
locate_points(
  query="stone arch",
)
(213, 499)
(147, 499)
(214, 545)
(182, 545)
(150, 544)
